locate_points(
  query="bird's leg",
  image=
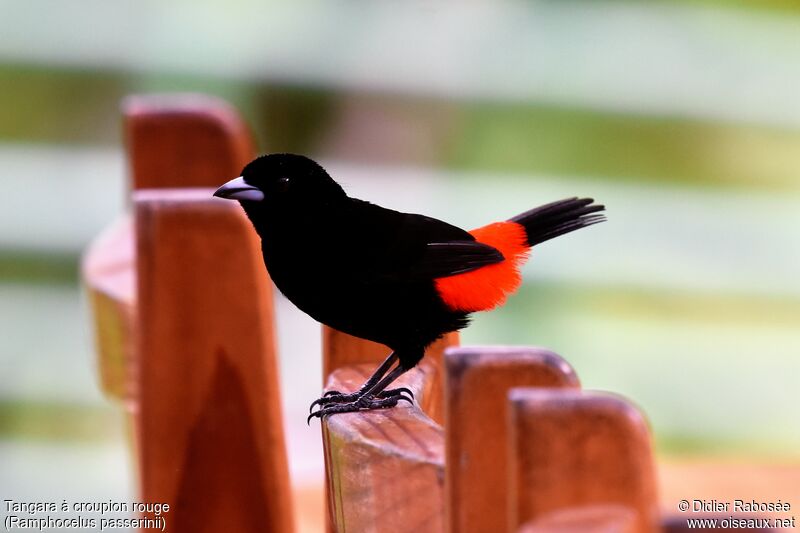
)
(335, 396)
(376, 397)
(373, 379)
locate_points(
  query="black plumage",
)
(370, 271)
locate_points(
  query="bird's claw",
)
(364, 403)
(335, 397)
(394, 392)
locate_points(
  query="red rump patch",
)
(489, 286)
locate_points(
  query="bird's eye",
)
(283, 184)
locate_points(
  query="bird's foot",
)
(334, 396)
(383, 400)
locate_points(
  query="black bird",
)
(399, 279)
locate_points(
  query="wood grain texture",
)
(184, 140)
(477, 382)
(385, 468)
(209, 426)
(570, 448)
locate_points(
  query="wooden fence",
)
(501, 439)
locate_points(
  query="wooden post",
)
(210, 427)
(386, 467)
(340, 350)
(478, 380)
(184, 140)
(172, 141)
(571, 449)
(203, 396)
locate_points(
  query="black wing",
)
(442, 259)
(410, 247)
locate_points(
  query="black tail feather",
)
(557, 218)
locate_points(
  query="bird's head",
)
(277, 181)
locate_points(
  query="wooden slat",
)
(478, 380)
(209, 423)
(570, 448)
(172, 140)
(340, 350)
(184, 140)
(385, 467)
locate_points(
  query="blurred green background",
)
(682, 117)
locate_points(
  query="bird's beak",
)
(237, 189)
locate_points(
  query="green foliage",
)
(536, 139)
(58, 421)
(18, 266)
